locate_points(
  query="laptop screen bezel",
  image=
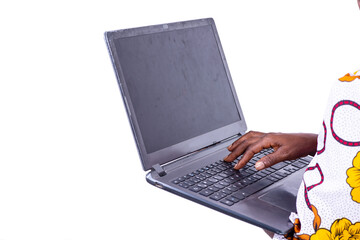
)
(178, 150)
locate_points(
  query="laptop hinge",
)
(159, 170)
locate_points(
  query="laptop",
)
(184, 112)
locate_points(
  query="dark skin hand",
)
(287, 146)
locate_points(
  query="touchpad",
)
(281, 198)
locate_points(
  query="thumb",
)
(269, 160)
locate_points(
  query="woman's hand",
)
(287, 146)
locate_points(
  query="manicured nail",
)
(259, 166)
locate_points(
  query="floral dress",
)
(328, 201)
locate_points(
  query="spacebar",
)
(255, 187)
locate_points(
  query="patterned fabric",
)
(328, 201)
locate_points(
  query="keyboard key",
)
(244, 182)
(233, 199)
(229, 172)
(291, 168)
(211, 172)
(186, 176)
(222, 168)
(233, 188)
(223, 183)
(299, 164)
(238, 176)
(282, 173)
(303, 161)
(232, 179)
(219, 186)
(207, 182)
(188, 182)
(217, 170)
(243, 173)
(278, 177)
(254, 160)
(184, 185)
(206, 192)
(200, 177)
(265, 171)
(195, 180)
(238, 195)
(218, 177)
(195, 188)
(271, 178)
(261, 174)
(250, 171)
(226, 191)
(239, 185)
(212, 180)
(251, 179)
(227, 202)
(257, 176)
(217, 196)
(206, 174)
(213, 188)
(279, 165)
(223, 175)
(228, 180)
(201, 185)
(180, 179)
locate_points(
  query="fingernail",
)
(229, 146)
(259, 166)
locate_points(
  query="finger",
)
(251, 151)
(245, 137)
(269, 160)
(241, 148)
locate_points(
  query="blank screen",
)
(177, 84)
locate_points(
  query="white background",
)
(69, 168)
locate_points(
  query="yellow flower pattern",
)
(350, 77)
(353, 179)
(341, 229)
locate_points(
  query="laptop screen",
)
(177, 83)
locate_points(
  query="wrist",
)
(311, 143)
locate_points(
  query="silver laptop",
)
(184, 112)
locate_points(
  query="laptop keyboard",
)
(220, 182)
